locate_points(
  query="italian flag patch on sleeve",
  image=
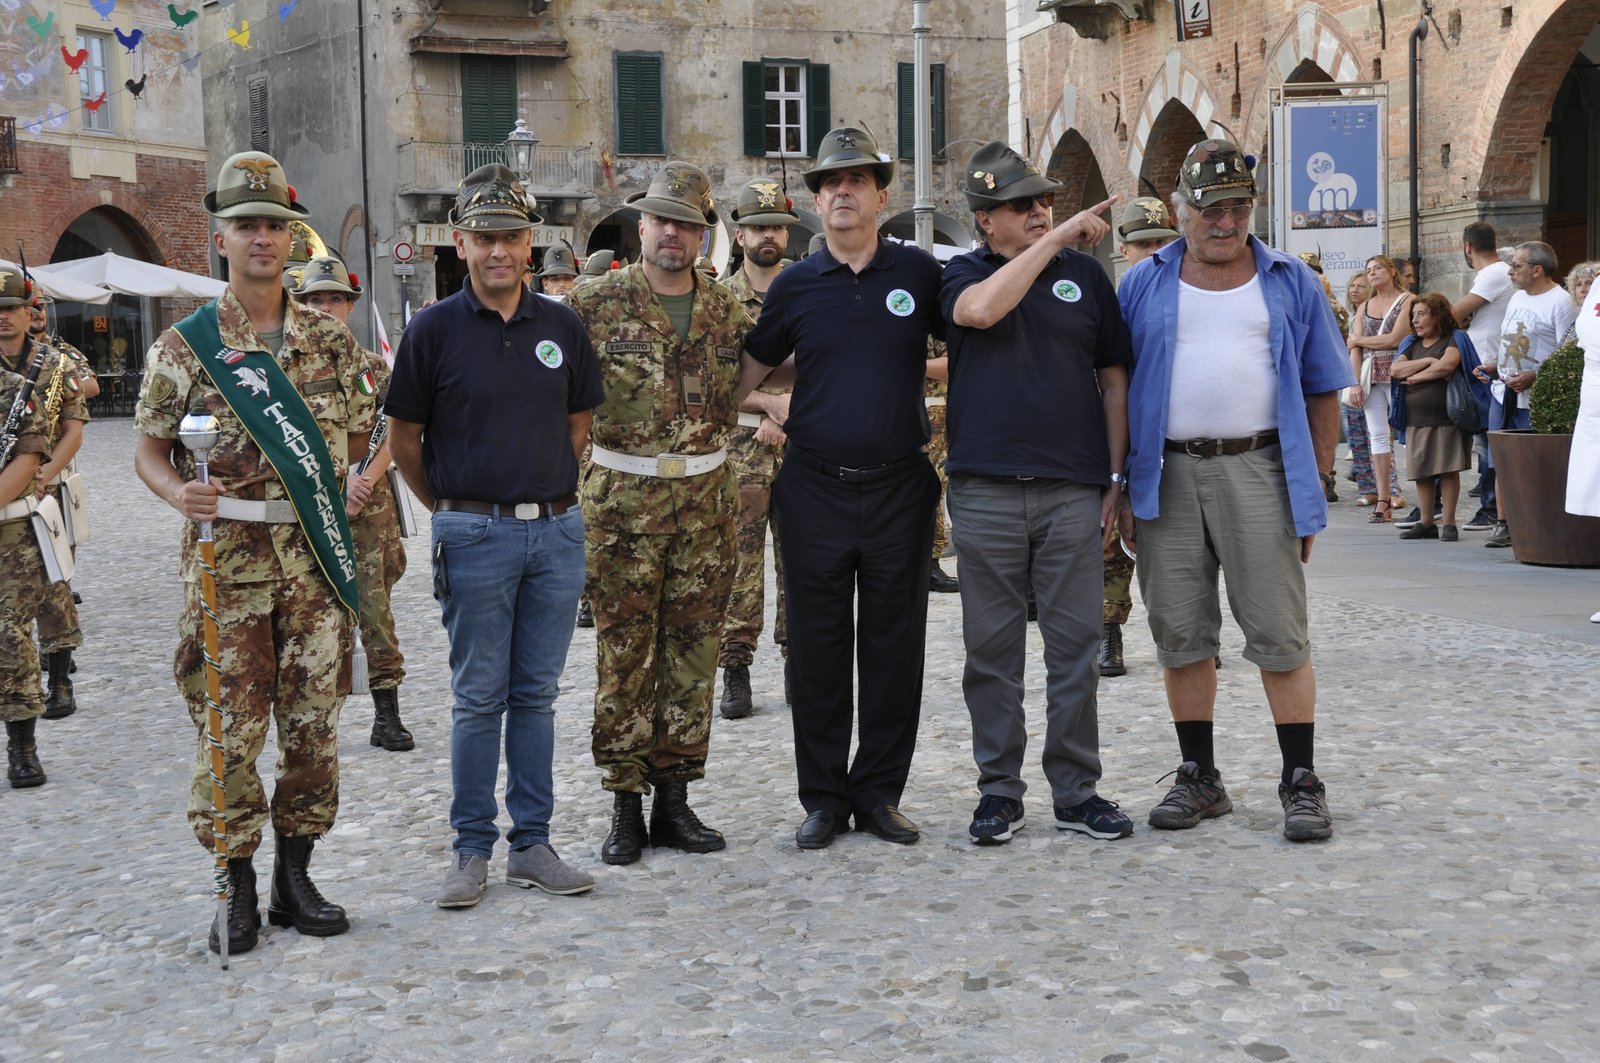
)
(366, 383)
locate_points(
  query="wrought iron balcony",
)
(8, 145)
(559, 171)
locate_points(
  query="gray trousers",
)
(1013, 534)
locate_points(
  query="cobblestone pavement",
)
(1453, 915)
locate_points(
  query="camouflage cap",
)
(559, 261)
(15, 289)
(762, 202)
(252, 184)
(598, 262)
(678, 192)
(847, 147)
(1215, 170)
(1312, 259)
(326, 273)
(491, 198)
(1146, 218)
(706, 266)
(996, 174)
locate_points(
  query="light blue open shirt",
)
(1310, 355)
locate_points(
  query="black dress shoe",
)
(819, 829)
(941, 582)
(887, 823)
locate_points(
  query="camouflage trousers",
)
(381, 561)
(938, 451)
(22, 589)
(659, 603)
(58, 620)
(284, 654)
(1119, 586)
(756, 466)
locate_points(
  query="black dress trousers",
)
(856, 547)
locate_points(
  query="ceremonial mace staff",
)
(199, 433)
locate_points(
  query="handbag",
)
(1460, 405)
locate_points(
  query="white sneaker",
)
(1595, 619)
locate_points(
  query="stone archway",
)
(1313, 37)
(1083, 184)
(1176, 82)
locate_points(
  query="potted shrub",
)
(1532, 467)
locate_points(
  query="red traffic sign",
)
(403, 252)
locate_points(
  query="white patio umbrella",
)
(132, 277)
(67, 290)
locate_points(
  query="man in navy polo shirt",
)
(1038, 436)
(857, 488)
(504, 384)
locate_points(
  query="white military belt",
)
(665, 466)
(749, 420)
(272, 511)
(22, 507)
(934, 400)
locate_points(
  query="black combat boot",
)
(736, 700)
(585, 613)
(673, 824)
(22, 756)
(628, 836)
(244, 917)
(1111, 651)
(60, 703)
(387, 730)
(295, 900)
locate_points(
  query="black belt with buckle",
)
(540, 510)
(1216, 448)
(854, 475)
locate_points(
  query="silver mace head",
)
(199, 432)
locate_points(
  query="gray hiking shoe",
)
(1305, 808)
(538, 865)
(464, 885)
(1197, 795)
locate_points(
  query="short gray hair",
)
(1578, 274)
(1540, 254)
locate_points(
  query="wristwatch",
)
(1119, 481)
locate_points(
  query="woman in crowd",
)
(1583, 468)
(1434, 445)
(1379, 323)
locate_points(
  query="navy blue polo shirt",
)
(860, 346)
(494, 396)
(1024, 400)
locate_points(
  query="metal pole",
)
(922, 119)
(199, 433)
(1418, 35)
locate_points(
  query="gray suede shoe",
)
(464, 885)
(538, 865)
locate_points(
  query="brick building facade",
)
(1106, 97)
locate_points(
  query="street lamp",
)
(520, 147)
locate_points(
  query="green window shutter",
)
(906, 112)
(755, 102)
(640, 130)
(819, 106)
(936, 83)
(488, 98)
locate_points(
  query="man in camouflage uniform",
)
(327, 286)
(755, 449)
(22, 575)
(935, 392)
(560, 273)
(1144, 227)
(659, 505)
(284, 629)
(59, 631)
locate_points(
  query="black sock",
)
(1194, 742)
(1295, 741)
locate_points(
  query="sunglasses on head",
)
(1024, 204)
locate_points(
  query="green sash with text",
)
(283, 427)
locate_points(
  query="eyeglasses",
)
(1238, 212)
(1024, 204)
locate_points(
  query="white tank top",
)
(1224, 378)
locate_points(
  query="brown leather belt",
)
(1216, 448)
(514, 511)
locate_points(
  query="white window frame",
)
(782, 95)
(94, 78)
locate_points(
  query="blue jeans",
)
(508, 590)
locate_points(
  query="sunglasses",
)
(1024, 204)
(1238, 212)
